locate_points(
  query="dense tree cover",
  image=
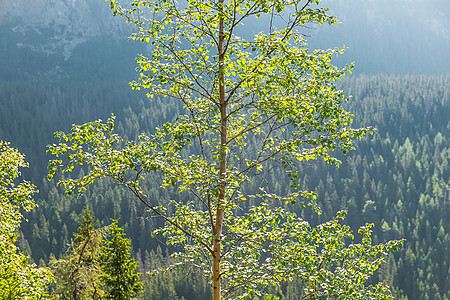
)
(411, 117)
(18, 278)
(30, 110)
(402, 177)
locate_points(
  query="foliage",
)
(250, 106)
(271, 246)
(118, 269)
(18, 278)
(77, 274)
(180, 283)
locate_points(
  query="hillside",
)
(398, 178)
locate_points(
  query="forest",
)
(236, 164)
(396, 178)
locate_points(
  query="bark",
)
(222, 168)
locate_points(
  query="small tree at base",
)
(118, 268)
(77, 274)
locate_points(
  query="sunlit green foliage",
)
(18, 278)
(414, 106)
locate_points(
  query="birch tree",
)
(252, 103)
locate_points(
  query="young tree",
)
(118, 269)
(77, 274)
(18, 278)
(252, 102)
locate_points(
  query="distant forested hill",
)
(398, 178)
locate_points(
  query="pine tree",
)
(118, 268)
(77, 274)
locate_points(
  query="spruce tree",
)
(77, 274)
(118, 267)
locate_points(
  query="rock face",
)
(58, 25)
(61, 39)
(57, 39)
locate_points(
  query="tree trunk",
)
(222, 168)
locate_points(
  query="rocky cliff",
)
(67, 39)
(49, 38)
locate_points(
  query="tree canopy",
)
(251, 105)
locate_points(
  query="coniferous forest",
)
(98, 241)
(398, 178)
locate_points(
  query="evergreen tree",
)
(77, 274)
(118, 267)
